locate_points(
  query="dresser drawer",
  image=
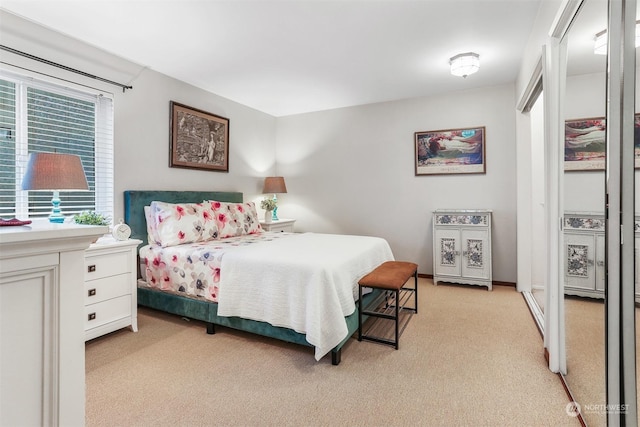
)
(97, 267)
(107, 288)
(107, 311)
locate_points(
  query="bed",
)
(324, 316)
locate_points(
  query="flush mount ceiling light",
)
(600, 44)
(465, 64)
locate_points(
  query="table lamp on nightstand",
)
(54, 172)
(274, 185)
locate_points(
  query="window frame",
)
(103, 199)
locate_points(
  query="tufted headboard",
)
(136, 200)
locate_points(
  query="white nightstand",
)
(283, 224)
(110, 292)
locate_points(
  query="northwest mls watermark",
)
(573, 409)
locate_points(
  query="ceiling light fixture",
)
(600, 44)
(465, 64)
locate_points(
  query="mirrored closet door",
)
(584, 208)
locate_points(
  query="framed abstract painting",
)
(452, 151)
(584, 144)
(199, 140)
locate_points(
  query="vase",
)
(268, 217)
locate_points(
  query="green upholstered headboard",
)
(136, 200)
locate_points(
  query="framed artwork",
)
(584, 144)
(450, 151)
(199, 140)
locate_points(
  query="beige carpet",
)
(470, 357)
(586, 356)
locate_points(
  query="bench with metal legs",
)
(390, 276)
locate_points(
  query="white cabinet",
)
(110, 293)
(42, 368)
(584, 254)
(462, 247)
(637, 258)
(584, 246)
(283, 224)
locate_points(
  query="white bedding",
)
(307, 282)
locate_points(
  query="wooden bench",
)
(390, 276)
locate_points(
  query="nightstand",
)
(283, 224)
(110, 292)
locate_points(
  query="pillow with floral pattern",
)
(152, 235)
(235, 219)
(179, 223)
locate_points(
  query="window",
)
(41, 117)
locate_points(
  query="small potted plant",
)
(268, 205)
(91, 218)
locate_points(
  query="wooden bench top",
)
(389, 275)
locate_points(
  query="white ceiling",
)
(288, 57)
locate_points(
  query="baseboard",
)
(495, 283)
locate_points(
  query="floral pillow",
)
(176, 224)
(235, 219)
(152, 235)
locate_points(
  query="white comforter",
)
(307, 283)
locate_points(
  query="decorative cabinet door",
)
(584, 246)
(637, 250)
(475, 246)
(600, 245)
(580, 253)
(447, 252)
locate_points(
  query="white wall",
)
(142, 141)
(585, 97)
(538, 38)
(351, 170)
(141, 115)
(531, 56)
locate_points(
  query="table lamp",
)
(54, 172)
(274, 185)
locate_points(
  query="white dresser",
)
(41, 323)
(110, 293)
(462, 247)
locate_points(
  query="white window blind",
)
(42, 117)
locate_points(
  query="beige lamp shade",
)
(274, 185)
(54, 172)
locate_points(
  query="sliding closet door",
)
(620, 205)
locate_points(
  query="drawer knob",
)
(91, 268)
(92, 316)
(92, 292)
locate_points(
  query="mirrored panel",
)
(584, 226)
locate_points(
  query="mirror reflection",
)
(538, 185)
(584, 190)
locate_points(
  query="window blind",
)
(41, 117)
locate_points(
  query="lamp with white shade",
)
(274, 185)
(54, 172)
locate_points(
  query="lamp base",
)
(56, 214)
(275, 210)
